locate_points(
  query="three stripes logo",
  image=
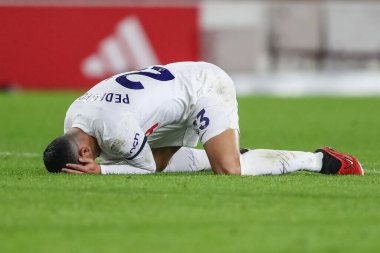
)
(128, 48)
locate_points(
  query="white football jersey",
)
(153, 105)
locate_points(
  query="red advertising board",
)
(75, 47)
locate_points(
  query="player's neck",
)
(83, 139)
(94, 145)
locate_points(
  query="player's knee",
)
(227, 166)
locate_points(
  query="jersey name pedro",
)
(151, 105)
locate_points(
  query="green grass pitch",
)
(300, 212)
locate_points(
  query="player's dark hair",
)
(59, 152)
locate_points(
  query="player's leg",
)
(223, 152)
(188, 160)
(217, 155)
(215, 120)
(222, 158)
(273, 162)
(277, 162)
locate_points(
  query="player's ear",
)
(85, 152)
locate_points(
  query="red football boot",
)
(334, 162)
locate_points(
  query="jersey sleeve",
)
(121, 168)
(123, 141)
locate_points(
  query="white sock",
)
(188, 159)
(276, 162)
(253, 162)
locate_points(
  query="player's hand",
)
(88, 166)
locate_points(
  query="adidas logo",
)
(128, 48)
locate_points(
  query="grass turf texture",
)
(300, 212)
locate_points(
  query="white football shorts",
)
(216, 109)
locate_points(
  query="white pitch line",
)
(372, 164)
(19, 154)
(371, 172)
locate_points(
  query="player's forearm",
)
(123, 169)
(184, 160)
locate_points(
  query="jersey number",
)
(162, 75)
(201, 121)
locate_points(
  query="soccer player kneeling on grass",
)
(149, 121)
